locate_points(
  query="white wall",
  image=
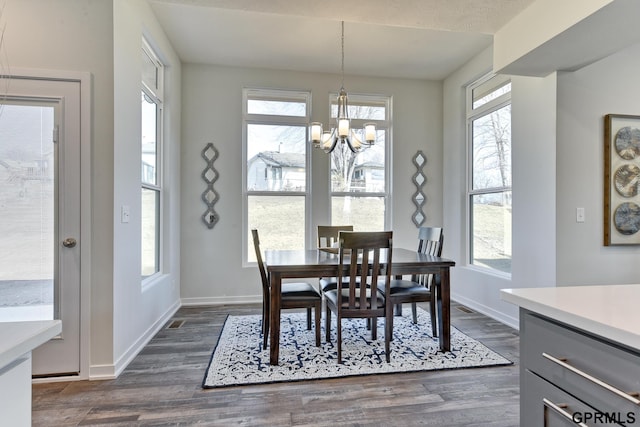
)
(81, 35)
(140, 310)
(609, 86)
(533, 160)
(212, 269)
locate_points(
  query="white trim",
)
(204, 301)
(85, 79)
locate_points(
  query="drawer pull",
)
(559, 408)
(593, 379)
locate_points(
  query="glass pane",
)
(149, 138)
(149, 71)
(150, 232)
(279, 220)
(277, 108)
(276, 158)
(492, 150)
(27, 250)
(491, 230)
(364, 213)
(359, 172)
(490, 90)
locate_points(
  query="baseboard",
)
(487, 311)
(104, 372)
(192, 302)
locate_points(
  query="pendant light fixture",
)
(342, 132)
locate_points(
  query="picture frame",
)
(621, 180)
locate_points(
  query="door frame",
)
(85, 80)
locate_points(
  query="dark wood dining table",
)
(291, 264)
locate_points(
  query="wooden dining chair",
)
(361, 297)
(293, 295)
(328, 240)
(420, 288)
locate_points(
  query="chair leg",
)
(265, 326)
(398, 309)
(374, 328)
(388, 334)
(318, 314)
(434, 323)
(339, 320)
(414, 312)
(308, 318)
(327, 324)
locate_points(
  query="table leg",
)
(274, 342)
(444, 308)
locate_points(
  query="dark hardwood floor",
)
(162, 387)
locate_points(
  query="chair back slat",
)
(367, 254)
(263, 272)
(430, 242)
(328, 235)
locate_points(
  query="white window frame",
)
(250, 119)
(386, 125)
(473, 114)
(156, 93)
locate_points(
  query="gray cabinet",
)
(568, 376)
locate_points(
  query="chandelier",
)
(342, 132)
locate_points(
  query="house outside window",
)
(276, 168)
(360, 181)
(489, 191)
(151, 170)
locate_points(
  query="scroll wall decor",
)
(418, 198)
(210, 196)
(621, 180)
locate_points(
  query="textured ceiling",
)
(425, 39)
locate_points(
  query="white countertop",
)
(610, 311)
(19, 338)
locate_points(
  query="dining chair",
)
(420, 288)
(328, 240)
(293, 295)
(365, 263)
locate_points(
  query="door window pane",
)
(491, 230)
(150, 232)
(149, 127)
(279, 220)
(492, 149)
(27, 190)
(364, 213)
(276, 158)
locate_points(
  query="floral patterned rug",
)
(238, 358)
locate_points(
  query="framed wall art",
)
(621, 180)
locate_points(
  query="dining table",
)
(311, 263)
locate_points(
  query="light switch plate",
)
(579, 214)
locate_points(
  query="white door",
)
(40, 210)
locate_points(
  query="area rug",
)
(239, 359)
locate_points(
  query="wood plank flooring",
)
(162, 387)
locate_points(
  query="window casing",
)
(360, 181)
(151, 161)
(489, 191)
(276, 168)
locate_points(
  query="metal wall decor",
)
(621, 180)
(418, 198)
(210, 196)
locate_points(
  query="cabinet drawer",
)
(598, 372)
(548, 406)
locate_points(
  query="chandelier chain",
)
(342, 66)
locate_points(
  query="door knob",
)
(69, 242)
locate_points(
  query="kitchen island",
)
(17, 341)
(580, 354)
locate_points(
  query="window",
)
(151, 147)
(276, 168)
(359, 195)
(489, 187)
